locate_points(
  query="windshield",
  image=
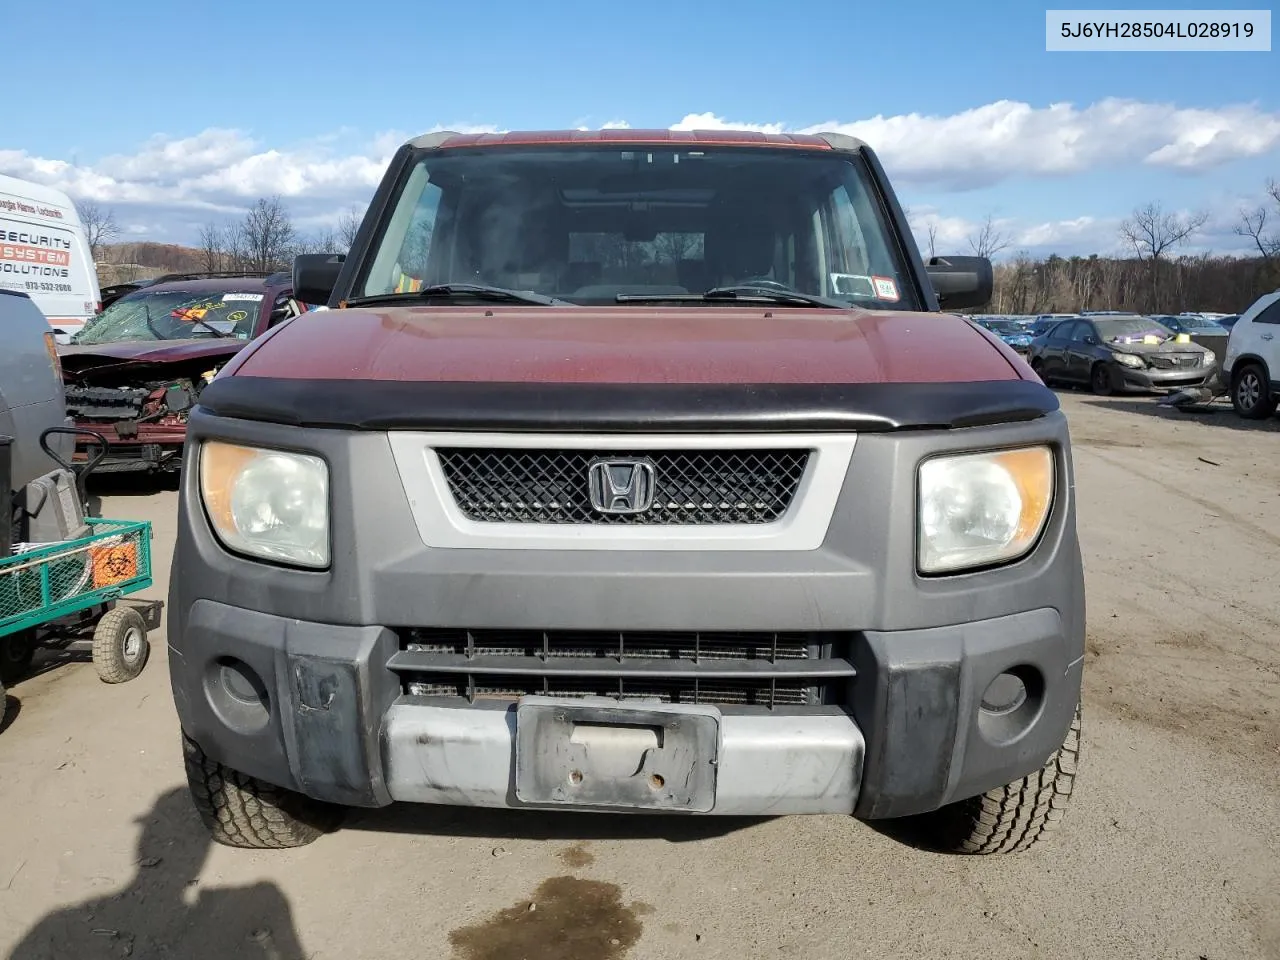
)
(1190, 324)
(174, 315)
(1130, 329)
(1007, 327)
(588, 224)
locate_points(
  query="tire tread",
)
(1014, 817)
(243, 811)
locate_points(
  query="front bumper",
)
(328, 717)
(133, 447)
(297, 677)
(1152, 379)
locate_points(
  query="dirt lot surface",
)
(1171, 848)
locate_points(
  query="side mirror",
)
(315, 275)
(961, 281)
(1091, 340)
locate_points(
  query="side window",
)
(1269, 315)
(414, 251)
(282, 309)
(1080, 331)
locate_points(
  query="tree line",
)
(266, 238)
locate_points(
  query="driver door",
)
(1079, 353)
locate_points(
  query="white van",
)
(44, 253)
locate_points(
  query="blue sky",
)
(182, 116)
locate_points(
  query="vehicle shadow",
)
(99, 485)
(1215, 414)
(10, 707)
(491, 824)
(164, 910)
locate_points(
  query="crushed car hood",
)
(690, 344)
(1148, 349)
(87, 360)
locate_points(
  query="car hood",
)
(1148, 349)
(90, 359)
(690, 344)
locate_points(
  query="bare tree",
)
(1253, 224)
(348, 226)
(1153, 233)
(99, 226)
(988, 241)
(213, 247)
(325, 241)
(267, 235)
(933, 240)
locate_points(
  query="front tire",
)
(1037, 367)
(242, 811)
(1100, 380)
(1251, 393)
(1011, 818)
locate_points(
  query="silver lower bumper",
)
(768, 765)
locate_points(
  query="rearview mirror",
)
(315, 275)
(961, 281)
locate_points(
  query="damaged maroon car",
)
(133, 373)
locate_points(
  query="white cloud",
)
(175, 181)
(1005, 139)
(709, 121)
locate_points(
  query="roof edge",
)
(841, 141)
(428, 140)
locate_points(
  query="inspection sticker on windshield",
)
(234, 297)
(886, 288)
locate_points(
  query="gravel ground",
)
(1171, 848)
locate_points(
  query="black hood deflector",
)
(626, 408)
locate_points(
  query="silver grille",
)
(749, 669)
(689, 486)
(1170, 361)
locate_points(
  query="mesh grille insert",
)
(689, 486)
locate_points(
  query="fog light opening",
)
(1006, 693)
(1011, 703)
(238, 694)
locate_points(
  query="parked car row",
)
(1110, 351)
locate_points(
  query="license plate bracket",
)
(611, 754)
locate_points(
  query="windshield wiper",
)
(740, 294)
(480, 291)
(150, 325)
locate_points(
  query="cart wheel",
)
(16, 651)
(120, 645)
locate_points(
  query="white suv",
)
(1252, 362)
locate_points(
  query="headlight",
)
(1209, 358)
(267, 503)
(1130, 360)
(984, 508)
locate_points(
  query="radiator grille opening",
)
(740, 669)
(688, 486)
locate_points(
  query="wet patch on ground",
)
(576, 856)
(567, 918)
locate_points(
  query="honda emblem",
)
(621, 486)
